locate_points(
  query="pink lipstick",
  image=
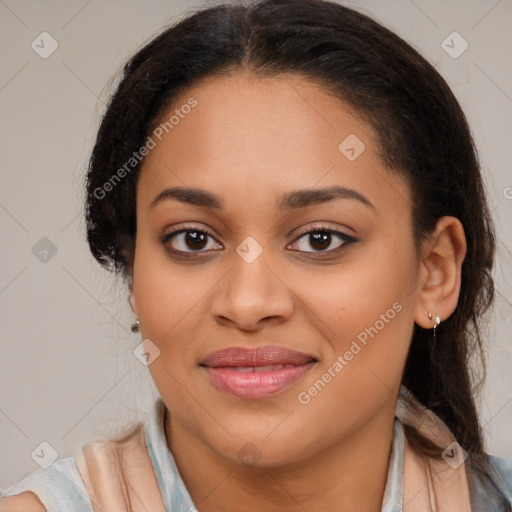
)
(256, 372)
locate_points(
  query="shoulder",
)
(58, 487)
(24, 502)
(492, 490)
(502, 465)
(502, 474)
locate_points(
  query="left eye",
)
(321, 239)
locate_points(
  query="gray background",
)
(67, 369)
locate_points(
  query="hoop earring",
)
(135, 326)
(438, 321)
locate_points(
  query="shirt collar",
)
(172, 488)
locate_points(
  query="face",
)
(281, 298)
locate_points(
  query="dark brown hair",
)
(423, 136)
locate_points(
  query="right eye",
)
(180, 240)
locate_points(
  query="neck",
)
(350, 474)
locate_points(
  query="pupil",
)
(321, 238)
(195, 240)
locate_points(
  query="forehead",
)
(255, 135)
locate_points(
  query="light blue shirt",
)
(61, 488)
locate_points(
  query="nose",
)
(253, 295)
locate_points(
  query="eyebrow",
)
(289, 201)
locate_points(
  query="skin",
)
(249, 141)
(23, 502)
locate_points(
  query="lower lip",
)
(256, 384)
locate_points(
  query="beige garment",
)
(430, 484)
(119, 476)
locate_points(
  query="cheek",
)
(168, 298)
(365, 312)
(361, 296)
(364, 369)
(164, 292)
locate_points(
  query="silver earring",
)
(135, 326)
(438, 321)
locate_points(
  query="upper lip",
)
(257, 356)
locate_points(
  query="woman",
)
(293, 196)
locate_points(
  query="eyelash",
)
(346, 239)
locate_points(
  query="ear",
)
(440, 272)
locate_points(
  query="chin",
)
(255, 449)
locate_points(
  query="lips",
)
(256, 372)
(258, 356)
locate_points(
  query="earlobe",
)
(440, 274)
(129, 284)
(135, 327)
(131, 299)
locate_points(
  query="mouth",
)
(258, 372)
